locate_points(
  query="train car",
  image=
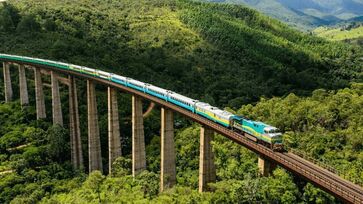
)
(75, 68)
(103, 75)
(138, 85)
(55, 64)
(182, 101)
(261, 132)
(63, 65)
(206, 110)
(213, 113)
(89, 71)
(276, 137)
(156, 91)
(256, 131)
(37, 60)
(26, 59)
(223, 117)
(118, 79)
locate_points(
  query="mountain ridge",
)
(226, 55)
(212, 52)
(305, 15)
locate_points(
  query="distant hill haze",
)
(306, 14)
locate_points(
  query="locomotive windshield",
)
(276, 130)
(271, 131)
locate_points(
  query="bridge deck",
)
(322, 178)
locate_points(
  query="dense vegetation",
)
(31, 155)
(223, 54)
(351, 33)
(327, 126)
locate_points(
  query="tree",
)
(94, 183)
(9, 17)
(6, 23)
(121, 167)
(28, 24)
(58, 146)
(149, 182)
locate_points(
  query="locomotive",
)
(257, 131)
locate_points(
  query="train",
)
(254, 130)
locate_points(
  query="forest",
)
(326, 126)
(226, 55)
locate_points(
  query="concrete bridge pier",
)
(265, 166)
(74, 126)
(39, 94)
(114, 143)
(94, 144)
(168, 171)
(138, 138)
(56, 101)
(24, 97)
(207, 169)
(7, 83)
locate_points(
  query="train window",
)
(136, 85)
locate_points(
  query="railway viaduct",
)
(328, 181)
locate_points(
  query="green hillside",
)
(225, 54)
(353, 35)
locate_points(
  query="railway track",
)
(345, 190)
(348, 186)
(323, 171)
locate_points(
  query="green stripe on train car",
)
(36, 62)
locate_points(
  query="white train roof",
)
(89, 69)
(136, 82)
(220, 113)
(206, 106)
(152, 87)
(118, 76)
(75, 66)
(181, 97)
(223, 114)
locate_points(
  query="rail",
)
(320, 177)
(315, 161)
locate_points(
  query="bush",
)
(28, 24)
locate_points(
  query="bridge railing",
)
(322, 164)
